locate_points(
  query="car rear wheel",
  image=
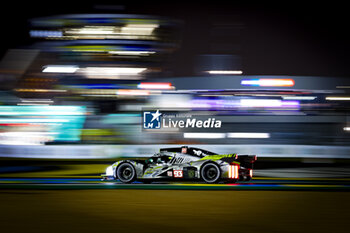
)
(210, 173)
(126, 173)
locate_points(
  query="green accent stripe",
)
(217, 157)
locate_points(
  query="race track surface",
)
(125, 210)
(64, 205)
(255, 184)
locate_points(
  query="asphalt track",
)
(120, 210)
(255, 184)
(89, 205)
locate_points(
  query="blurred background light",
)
(155, 86)
(299, 97)
(97, 62)
(205, 135)
(341, 98)
(41, 110)
(225, 72)
(248, 135)
(132, 92)
(268, 82)
(268, 103)
(111, 71)
(60, 69)
(73, 92)
(139, 29)
(132, 53)
(47, 33)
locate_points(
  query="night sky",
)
(282, 39)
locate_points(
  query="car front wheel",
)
(126, 173)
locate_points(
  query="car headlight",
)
(109, 171)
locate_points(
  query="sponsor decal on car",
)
(178, 174)
(170, 173)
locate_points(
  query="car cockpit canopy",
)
(189, 151)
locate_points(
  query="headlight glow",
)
(109, 171)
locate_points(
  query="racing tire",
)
(210, 173)
(126, 173)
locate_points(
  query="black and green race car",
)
(183, 163)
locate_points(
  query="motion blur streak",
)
(337, 98)
(299, 97)
(155, 86)
(133, 92)
(135, 211)
(248, 135)
(60, 69)
(268, 82)
(138, 53)
(111, 70)
(73, 98)
(268, 103)
(225, 72)
(204, 135)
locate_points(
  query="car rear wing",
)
(246, 160)
(188, 150)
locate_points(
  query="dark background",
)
(276, 38)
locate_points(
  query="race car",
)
(183, 163)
